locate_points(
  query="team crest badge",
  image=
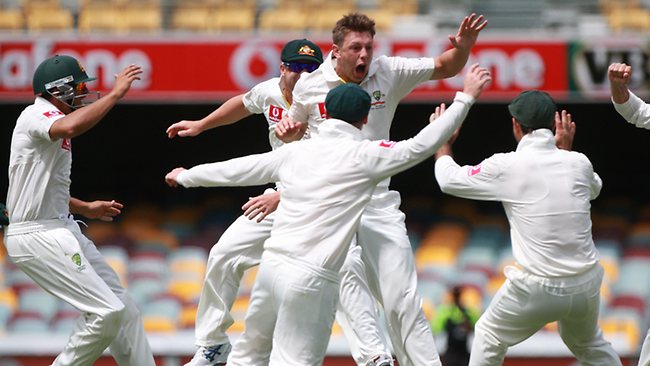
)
(306, 50)
(378, 102)
(76, 259)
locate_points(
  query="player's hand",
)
(288, 130)
(261, 206)
(437, 112)
(468, 32)
(565, 130)
(475, 80)
(184, 129)
(170, 178)
(124, 79)
(103, 210)
(619, 74)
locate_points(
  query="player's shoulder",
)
(309, 80)
(268, 86)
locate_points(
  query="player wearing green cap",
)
(326, 184)
(387, 266)
(545, 189)
(240, 246)
(43, 239)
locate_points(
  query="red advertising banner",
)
(188, 70)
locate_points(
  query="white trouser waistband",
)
(561, 285)
(303, 266)
(25, 227)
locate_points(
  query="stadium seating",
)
(161, 257)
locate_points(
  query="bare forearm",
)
(233, 110)
(83, 119)
(444, 150)
(449, 63)
(620, 93)
(78, 206)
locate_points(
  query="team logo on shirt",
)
(76, 259)
(379, 100)
(322, 110)
(275, 113)
(387, 143)
(66, 144)
(50, 114)
(474, 170)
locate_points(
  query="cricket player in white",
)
(386, 249)
(326, 183)
(546, 191)
(43, 239)
(241, 245)
(636, 112)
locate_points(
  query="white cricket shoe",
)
(380, 360)
(211, 356)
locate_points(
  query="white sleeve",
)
(386, 158)
(299, 110)
(253, 100)
(249, 170)
(39, 126)
(480, 182)
(635, 111)
(407, 73)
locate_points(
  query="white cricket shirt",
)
(389, 80)
(635, 111)
(546, 194)
(266, 98)
(39, 168)
(327, 182)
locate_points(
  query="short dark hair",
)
(352, 22)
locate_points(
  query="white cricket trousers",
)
(392, 278)
(295, 302)
(644, 357)
(525, 303)
(61, 260)
(240, 248)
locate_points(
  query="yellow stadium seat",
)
(158, 324)
(9, 298)
(192, 18)
(12, 20)
(188, 291)
(233, 19)
(285, 19)
(188, 316)
(326, 17)
(50, 19)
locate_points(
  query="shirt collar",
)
(336, 128)
(540, 138)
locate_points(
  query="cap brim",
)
(87, 80)
(303, 59)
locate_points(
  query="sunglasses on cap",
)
(298, 67)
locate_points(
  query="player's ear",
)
(336, 51)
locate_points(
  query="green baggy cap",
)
(533, 109)
(347, 102)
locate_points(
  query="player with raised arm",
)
(387, 255)
(44, 240)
